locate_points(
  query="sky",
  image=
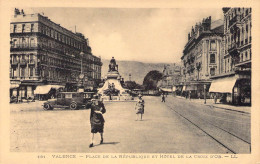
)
(152, 35)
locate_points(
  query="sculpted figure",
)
(113, 66)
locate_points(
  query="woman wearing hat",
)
(96, 118)
(139, 107)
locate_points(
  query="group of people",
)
(97, 120)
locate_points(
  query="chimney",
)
(192, 31)
(206, 23)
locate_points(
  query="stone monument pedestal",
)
(112, 90)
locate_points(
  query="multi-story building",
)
(171, 76)
(202, 56)
(236, 56)
(43, 52)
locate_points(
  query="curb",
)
(228, 109)
(218, 107)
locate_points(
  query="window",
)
(212, 71)
(31, 71)
(15, 28)
(15, 43)
(22, 72)
(212, 58)
(246, 56)
(23, 42)
(32, 27)
(15, 72)
(32, 42)
(23, 27)
(69, 95)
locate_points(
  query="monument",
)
(112, 88)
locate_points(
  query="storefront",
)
(233, 89)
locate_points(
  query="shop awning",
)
(189, 88)
(166, 89)
(12, 86)
(223, 85)
(44, 89)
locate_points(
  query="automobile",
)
(72, 100)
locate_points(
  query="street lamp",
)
(205, 94)
(81, 76)
(81, 54)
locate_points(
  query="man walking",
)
(163, 98)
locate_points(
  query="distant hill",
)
(138, 70)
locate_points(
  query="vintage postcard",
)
(135, 82)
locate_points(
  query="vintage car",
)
(72, 100)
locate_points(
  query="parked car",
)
(73, 100)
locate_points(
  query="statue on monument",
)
(113, 66)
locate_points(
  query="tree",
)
(131, 85)
(151, 79)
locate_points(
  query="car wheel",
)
(73, 106)
(47, 107)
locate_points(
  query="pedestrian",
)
(139, 107)
(163, 98)
(96, 118)
(215, 98)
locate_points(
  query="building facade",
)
(202, 56)
(171, 76)
(237, 54)
(43, 52)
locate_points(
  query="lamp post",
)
(81, 76)
(205, 94)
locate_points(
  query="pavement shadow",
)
(143, 120)
(108, 143)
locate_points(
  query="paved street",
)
(177, 126)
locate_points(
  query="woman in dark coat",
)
(96, 118)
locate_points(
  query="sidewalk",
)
(210, 102)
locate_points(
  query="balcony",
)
(25, 78)
(235, 20)
(232, 49)
(20, 47)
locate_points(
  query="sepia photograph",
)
(131, 83)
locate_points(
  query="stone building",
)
(236, 57)
(202, 56)
(44, 53)
(171, 77)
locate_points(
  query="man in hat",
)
(96, 118)
(139, 107)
